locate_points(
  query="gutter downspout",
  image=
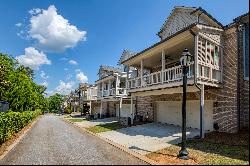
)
(202, 134)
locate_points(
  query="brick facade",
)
(243, 87)
(225, 111)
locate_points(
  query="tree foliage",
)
(17, 86)
(55, 102)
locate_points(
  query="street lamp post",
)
(184, 60)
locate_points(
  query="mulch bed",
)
(239, 139)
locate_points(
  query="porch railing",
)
(112, 92)
(105, 93)
(161, 77)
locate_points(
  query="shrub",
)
(12, 122)
(68, 110)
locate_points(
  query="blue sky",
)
(96, 33)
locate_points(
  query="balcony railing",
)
(169, 75)
(112, 92)
(121, 91)
(105, 93)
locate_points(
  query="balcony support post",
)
(101, 110)
(109, 84)
(142, 73)
(116, 85)
(132, 111)
(163, 64)
(127, 77)
(102, 88)
(90, 108)
(120, 108)
(202, 124)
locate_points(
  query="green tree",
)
(55, 102)
(17, 86)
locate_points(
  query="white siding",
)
(179, 20)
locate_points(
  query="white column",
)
(102, 88)
(196, 56)
(101, 110)
(127, 77)
(163, 64)
(202, 114)
(120, 108)
(90, 108)
(117, 84)
(132, 111)
(142, 73)
(109, 87)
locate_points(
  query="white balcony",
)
(112, 93)
(167, 76)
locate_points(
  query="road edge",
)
(123, 148)
(25, 132)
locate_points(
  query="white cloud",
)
(43, 75)
(35, 11)
(33, 58)
(77, 70)
(45, 83)
(18, 24)
(72, 62)
(81, 77)
(63, 59)
(64, 88)
(52, 32)
(69, 76)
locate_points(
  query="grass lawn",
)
(76, 120)
(203, 152)
(104, 127)
(67, 117)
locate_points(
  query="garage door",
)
(170, 112)
(126, 110)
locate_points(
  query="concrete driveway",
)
(148, 138)
(96, 122)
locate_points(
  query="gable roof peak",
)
(190, 11)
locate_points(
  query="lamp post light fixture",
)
(184, 60)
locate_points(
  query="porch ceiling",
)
(173, 50)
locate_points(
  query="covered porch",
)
(159, 66)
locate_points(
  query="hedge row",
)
(12, 122)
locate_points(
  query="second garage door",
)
(170, 112)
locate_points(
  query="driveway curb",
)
(10, 147)
(123, 148)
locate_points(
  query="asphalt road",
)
(53, 141)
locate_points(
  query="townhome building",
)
(71, 101)
(112, 98)
(87, 93)
(218, 73)
(240, 27)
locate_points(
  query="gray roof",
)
(126, 54)
(109, 68)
